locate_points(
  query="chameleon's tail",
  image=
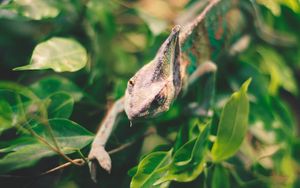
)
(266, 33)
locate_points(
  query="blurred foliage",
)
(93, 47)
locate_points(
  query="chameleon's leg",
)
(204, 108)
(240, 45)
(98, 152)
(202, 69)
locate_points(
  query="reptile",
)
(190, 51)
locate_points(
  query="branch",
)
(82, 161)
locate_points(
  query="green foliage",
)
(150, 169)
(281, 75)
(53, 84)
(69, 136)
(74, 57)
(44, 129)
(36, 11)
(187, 162)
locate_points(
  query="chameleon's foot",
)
(98, 153)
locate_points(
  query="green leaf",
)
(220, 177)
(188, 161)
(59, 54)
(48, 85)
(184, 154)
(131, 172)
(16, 88)
(233, 124)
(68, 134)
(24, 157)
(155, 25)
(26, 152)
(281, 74)
(283, 114)
(6, 116)
(34, 10)
(292, 4)
(274, 5)
(16, 144)
(22, 101)
(150, 169)
(61, 105)
(37, 9)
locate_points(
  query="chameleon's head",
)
(153, 88)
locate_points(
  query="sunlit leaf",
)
(36, 9)
(188, 162)
(281, 75)
(61, 105)
(150, 169)
(59, 54)
(48, 85)
(155, 25)
(233, 124)
(288, 170)
(292, 4)
(274, 5)
(31, 9)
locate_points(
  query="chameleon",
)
(190, 51)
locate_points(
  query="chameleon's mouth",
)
(135, 114)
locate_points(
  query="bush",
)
(63, 63)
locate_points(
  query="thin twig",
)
(41, 139)
(80, 161)
(44, 120)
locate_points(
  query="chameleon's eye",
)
(130, 82)
(130, 85)
(160, 99)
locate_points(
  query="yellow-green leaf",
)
(188, 161)
(281, 75)
(36, 9)
(150, 169)
(274, 5)
(233, 124)
(59, 54)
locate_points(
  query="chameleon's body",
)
(154, 87)
(180, 59)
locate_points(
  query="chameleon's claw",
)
(100, 154)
